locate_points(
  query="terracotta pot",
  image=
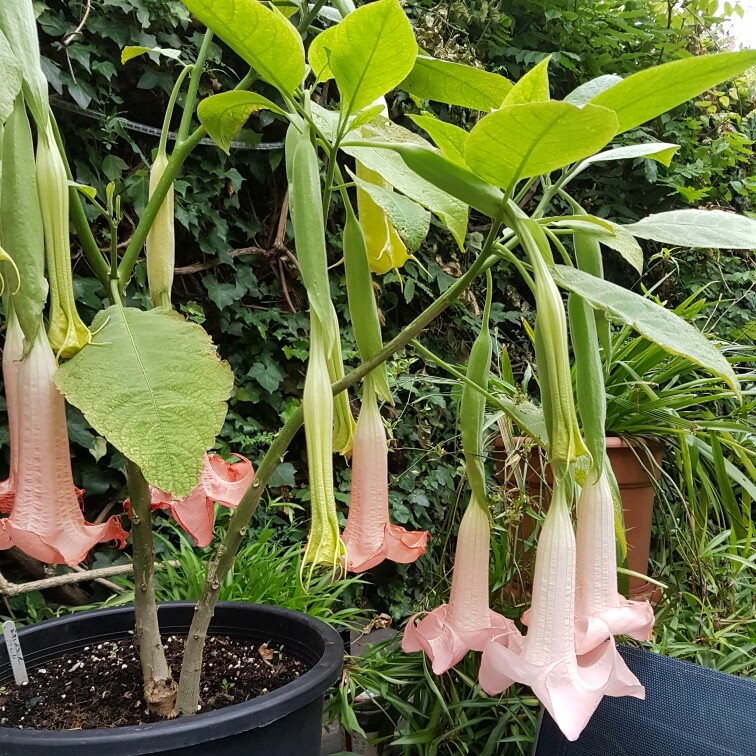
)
(631, 464)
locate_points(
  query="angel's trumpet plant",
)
(324, 545)
(46, 521)
(570, 687)
(601, 611)
(369, 535)
(466, 623)
(67, 332)
(220, 482)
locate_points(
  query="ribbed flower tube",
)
(67, 332)
(46, 521)
(324, 545)
(601, 611)
(369, 535)
(466, 623)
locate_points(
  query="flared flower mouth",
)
(369, 536)
(466, 623)
(220, 482)
(46, 521)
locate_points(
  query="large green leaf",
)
(262, 36)
(586, 92)
(373, 49)
(662, 326)
(319, 54)
(152, 384)
(532, 87)
(410, 220)
(519, 141)
(698, 228)
(450, 139)
(11, 80)
(661, 152)
(649, 93)
(456, 84)
(224, 114)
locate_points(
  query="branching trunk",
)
(159, 686)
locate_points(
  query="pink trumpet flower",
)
(46, 521)
(568, 685)
(219, 482)
(601, 611)
(369, 536)
(466, 623)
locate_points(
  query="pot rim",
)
(198, 728)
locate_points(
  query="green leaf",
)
(649, 93)
(373, 50)
(11, 80)
(586, 92)
(318, 56)
(18, 24)
(410, 220)
(661, 152)
(134, 51)
(611, 235)
(88, 191)
(698, 228)
(268, 375)
(520, 141)
(450, 139)
(532, 87)
(262, 36)
(455, 84)
(662, 326)
(451, 211)
(160, 391)
(21, 229)
(223, 115)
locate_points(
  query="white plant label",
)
(14, 652)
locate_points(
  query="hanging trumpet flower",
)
(369, 535)
(466, 623)
(46, 521)
(220, 482)
(67, 332)
(601, 611)
(324, 545)
(570, 687)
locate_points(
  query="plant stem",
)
(176, 160)
(191, 95)
(159, 686)
(223, 559)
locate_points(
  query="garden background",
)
(238, 278)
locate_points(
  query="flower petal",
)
(13, 352)
(46, 521)
(226, 483)
(404, 546)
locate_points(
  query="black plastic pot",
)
(286, 722)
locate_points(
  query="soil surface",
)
(101, 685)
